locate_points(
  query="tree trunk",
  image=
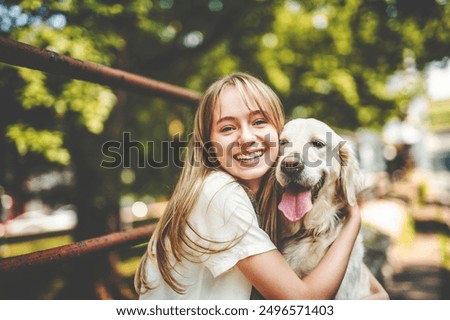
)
(97, 200)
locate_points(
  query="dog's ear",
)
(351, 180)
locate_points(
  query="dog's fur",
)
(306, 161)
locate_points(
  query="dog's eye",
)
(318, 144)
(283, 142)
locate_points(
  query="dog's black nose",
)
(292, 165)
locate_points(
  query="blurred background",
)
(377, 71)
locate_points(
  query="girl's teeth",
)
(249, 156)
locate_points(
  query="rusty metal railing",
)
(23, 55)
(78, 249)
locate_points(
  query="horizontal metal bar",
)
(23, 55)
(78, 249)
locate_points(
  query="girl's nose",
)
(247, 136)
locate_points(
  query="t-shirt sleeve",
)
(224, 220)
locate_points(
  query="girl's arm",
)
(271, 275)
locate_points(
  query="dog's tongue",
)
(295, 205)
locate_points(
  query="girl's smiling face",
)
(244, 139)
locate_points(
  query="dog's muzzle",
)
(292, 165)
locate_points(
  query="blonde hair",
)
(170, 238)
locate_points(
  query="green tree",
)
(331, 59)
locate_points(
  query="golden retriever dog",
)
(319, 176)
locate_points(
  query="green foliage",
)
(35, 92)
(50, 143)
(78, 43)
(93, 102)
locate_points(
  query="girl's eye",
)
(259, 122)
(283, 142)
(226, 129)
(318, 144)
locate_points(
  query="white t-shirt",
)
(223, 213)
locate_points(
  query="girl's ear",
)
(351, 180)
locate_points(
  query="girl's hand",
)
(353, 216)
(376, 289)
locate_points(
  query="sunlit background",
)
(377, 71)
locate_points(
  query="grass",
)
(444, 244)
(128, 264)
(408, 232)
(20, 248)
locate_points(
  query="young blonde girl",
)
(209, 243)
